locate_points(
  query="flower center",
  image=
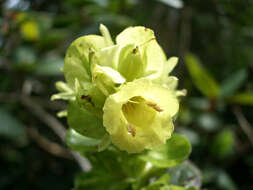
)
(138, 113)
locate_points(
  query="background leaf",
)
(223, 144)
(11, 127)
(50, 66)
(201, 78)
(233, 83)
(244, 98)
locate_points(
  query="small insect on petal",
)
(131, 130)
(154, 106)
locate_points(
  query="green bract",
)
(120, 89)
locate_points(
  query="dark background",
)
(34, 36)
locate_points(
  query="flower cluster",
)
(120, 89)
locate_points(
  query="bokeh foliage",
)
(213, 40)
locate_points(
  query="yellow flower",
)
(139, 115)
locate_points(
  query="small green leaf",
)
(244, 98)
(233, 83)
(173, 153)
(79, 142)
(84, 122)
(201, 78)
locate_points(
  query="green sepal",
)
(63, 113)
(63, 96)
(106, 34)
(66, 93)
(84, 122)
(81, 143)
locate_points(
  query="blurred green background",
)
(213, 40)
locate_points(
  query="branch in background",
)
(49, 120)
(244, 124)
(44, 143)
(55, 125)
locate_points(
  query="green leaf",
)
(244, 98)
(223, 144)
(224, 181)
(79, 142)
(173, 153)
(201, 78)
(219, 177)
(233, 83)
(24, 56)
(50, 66)
(84, 122)
(11, 127)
